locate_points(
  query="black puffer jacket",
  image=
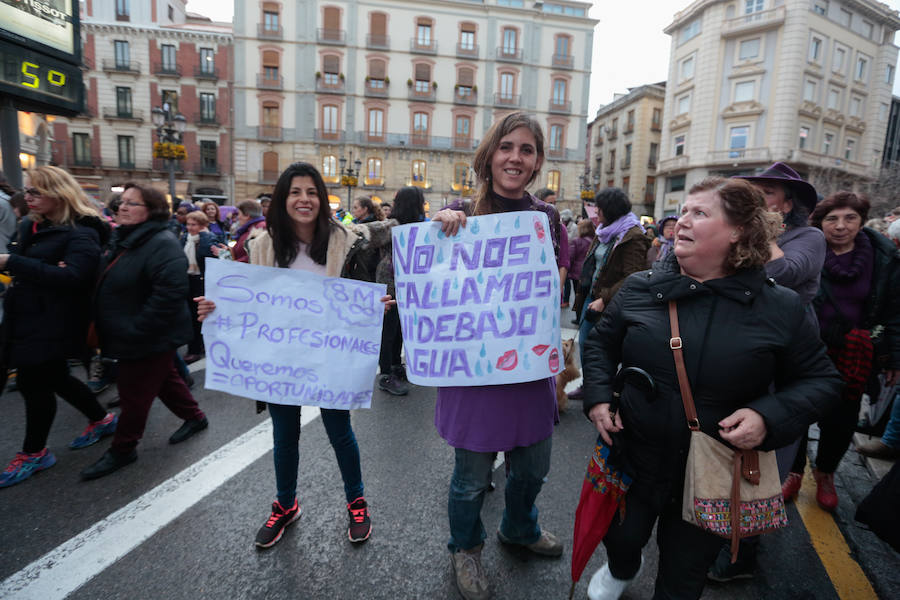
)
(140, 306)
(47, 308)
(740, 334)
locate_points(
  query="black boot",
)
(394, 383)
(109, 462)
(187, 429)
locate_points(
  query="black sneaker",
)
(723, 570)
(187, 429)
(360, 523)
(269, 534)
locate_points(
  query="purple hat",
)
(803, 191)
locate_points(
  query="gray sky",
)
(630, 48)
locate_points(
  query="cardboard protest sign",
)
(482, 307)
(291, 337)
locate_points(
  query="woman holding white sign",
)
(300, 234)
(517, 418)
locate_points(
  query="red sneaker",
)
(791, 486)
(360, 523)
(826, 495)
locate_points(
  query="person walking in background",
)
(663, 243)
(741, 332)
(409, 207)
(300, 234)
(364, 210)
(518, 418)
(178, 223)
(251, 223)
(47, 310)
(198, 245)
(563, 260)
(858, 307)
(142, 318)
(578, 251)
(8, 218)
(217, 226)
(619, 250)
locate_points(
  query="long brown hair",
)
(481, 164)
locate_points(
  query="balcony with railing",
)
(466, 50)
(563, 61)
(330, 85)
(816, 159)
(676, 163)
(460, 141)
(269, 133)
(560, 106)
(557, 152)
(201, 168)
(329, 135)
(332, 36)
(739, 155)
(166, 70)
(652, 162)
(422, 95)
(265, 32)
(503, 99)
(112, 65)
(268, 177)
(423, 45)
(376, 41)
(420, 138)
(625, 164)
(509, 54)
(119, 114)
(376, 88)
(758, 21)
(205, 72)
(268, 83)
(465, 95)
(203, 119)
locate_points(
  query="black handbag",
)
(878, 510)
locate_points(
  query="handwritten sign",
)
(291, 337)
(481, 307)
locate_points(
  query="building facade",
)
(755, 81)
(624, 145)
(891, 156)
(407, 88)
(139, 56)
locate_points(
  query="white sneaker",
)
(604, 586)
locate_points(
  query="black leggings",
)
(39, 385)
(835, 434)
(391, 341)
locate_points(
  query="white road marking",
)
(75, 562)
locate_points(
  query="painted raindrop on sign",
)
(499, 314)
(544, 314)
(478, 368)
(456, 284)
(440, 256)
(440, 234)
(427, 238)
(526, 362)
(497, 227)
(474, 227)
(543, 256)
(480, 277)
(518, 222)
(490, 369)
(483, 352)
(403, 239)
(433, 293)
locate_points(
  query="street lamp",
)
(349, 176)
(169, 130)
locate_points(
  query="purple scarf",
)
(862, 260)
(243, 228)
(617, 228)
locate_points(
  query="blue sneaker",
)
(25, 465)
(95, 431)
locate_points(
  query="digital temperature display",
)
(44, 84)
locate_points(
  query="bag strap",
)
(106, 270)
(676, 345)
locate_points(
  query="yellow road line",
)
(846, 576)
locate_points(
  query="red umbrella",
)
(603, 491)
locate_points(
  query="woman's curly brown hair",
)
(745, 208)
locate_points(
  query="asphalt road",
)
(142, 535)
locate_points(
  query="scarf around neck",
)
(863, 257)
(190, 250)
(617, 228)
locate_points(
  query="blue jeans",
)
(471, 477)
(286, 452)
(891, 435)
(584, 328)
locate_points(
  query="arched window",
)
(419, 173)
(329, 168)
(331, 69)
(376, 124)
(374, 174)
(330, 121)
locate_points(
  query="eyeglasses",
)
(131, 204)
(32, 192)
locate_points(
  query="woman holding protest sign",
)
(300, 234)
(517, 418)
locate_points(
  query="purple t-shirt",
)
(496, 418)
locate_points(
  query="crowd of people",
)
(797, 294)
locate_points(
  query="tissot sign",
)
(40, 55)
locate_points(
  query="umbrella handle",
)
(572, 591)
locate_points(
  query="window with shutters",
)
(271, 114)
(556, 138)
(559, 93)
(562, 51)
(377, 74)
(424, 39)
(270, 166)
(331, 70)
(420, 129)
(463, 131)
(271, 17)
(271, 71)
(510, 41)
(465, 82)
(331, 20)
(330, 120)
(378, 37)
(207, 108)
(466, 45)
(507, 93)
(81, 146)
(423, 79)
(376, 124)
